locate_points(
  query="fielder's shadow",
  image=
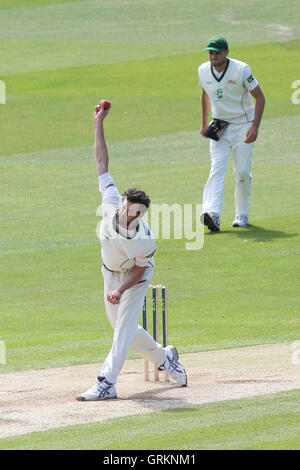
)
(153, 399)
(257, 234)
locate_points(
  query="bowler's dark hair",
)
(137, 196)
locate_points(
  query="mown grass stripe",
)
(254, 423)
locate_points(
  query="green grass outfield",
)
(254, 424)
(242, 288)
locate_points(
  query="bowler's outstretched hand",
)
(101, 110)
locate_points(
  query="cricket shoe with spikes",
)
(240, 221)
(212, 220)
(102, 390)
(172, 366)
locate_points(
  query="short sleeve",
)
(199, 76)
(110, 193)
(249, 80)
(141, 262)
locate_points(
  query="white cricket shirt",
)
(229, 90)
(122, 249)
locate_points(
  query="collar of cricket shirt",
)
(123, 231)
(223, 73)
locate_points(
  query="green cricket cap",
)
(218, 43)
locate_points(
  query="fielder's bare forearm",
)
(259, 105)
(132, 278)
(205, 104)
(100, 149)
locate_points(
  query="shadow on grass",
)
(256, 233)
(149, 397)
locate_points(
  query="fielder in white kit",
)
(127, 248)
(227, 88)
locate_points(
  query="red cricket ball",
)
(105, 104)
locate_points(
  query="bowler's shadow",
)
(155, 399)
(259, 234)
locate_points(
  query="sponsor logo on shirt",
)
(250, 79)
(232, 82)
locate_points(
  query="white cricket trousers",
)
(124, 318)
(231, 141)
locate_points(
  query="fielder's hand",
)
(114, 297)
(251, 134)
(101, 110)
(203, 129)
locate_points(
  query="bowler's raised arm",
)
(100, 148)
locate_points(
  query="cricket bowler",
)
(127, 248)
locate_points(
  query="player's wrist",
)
(98, 124)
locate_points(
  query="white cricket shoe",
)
(240, 221)
(172, 366)
(102, 390)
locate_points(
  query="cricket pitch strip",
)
(39, 400)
